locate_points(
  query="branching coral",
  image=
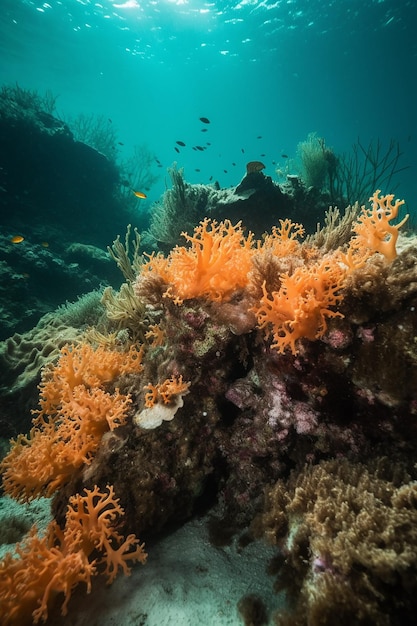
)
(75, 413)
(374, 230)
(62, 558)
(300, 308)
(293, 285)
(165, 392)
(216, 265)
(162, 401)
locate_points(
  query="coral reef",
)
(253, 358)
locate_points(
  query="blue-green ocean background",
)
(275, 69)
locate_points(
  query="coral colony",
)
(278, 374)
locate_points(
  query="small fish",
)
(139, 194)
(259, 137)
(234, 164)
(263, 154)
(200, 148)
(44, 244)
(204, 130)
(180, 143)
(159, 165)
(208, 143)
(17, 239)
(176, 149)
(284, 156)
(121, 143)
(243, 152)
(211, 178)
(225, 171)
(197, 170)
(158, 161)
(205, 120)
(194, 148)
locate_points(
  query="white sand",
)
(185, 582)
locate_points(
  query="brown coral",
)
(348, 536)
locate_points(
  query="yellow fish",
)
(17, 239)
(139, 194)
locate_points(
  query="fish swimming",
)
(176, 149)
(139, 194)
(205, 120)
(17, 239)
(180, 143)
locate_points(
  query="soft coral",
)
(214, 266)
(58, 561)
(300, 307)
(74, 415)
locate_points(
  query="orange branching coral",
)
(162, 401)
(58, 445)
(75, 413)
(156, 334)
(55, 563)
(300, 307)
(84, 365)
(283, 239)
(373, 229)
(166, 391)
(214, 266)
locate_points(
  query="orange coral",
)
(61, 559)
(373, 229)
(216, 264)
(301, 306)
(156, 334)
(75, 413)
(166, 391)
(283, 239)
(84, 365)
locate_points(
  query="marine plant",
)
(29, 100)
(96, 131)
(365, 168)
(314, 162)
(351, 176)
(178, 210)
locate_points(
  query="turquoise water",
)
(265, 73)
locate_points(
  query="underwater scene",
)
(208, 312)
